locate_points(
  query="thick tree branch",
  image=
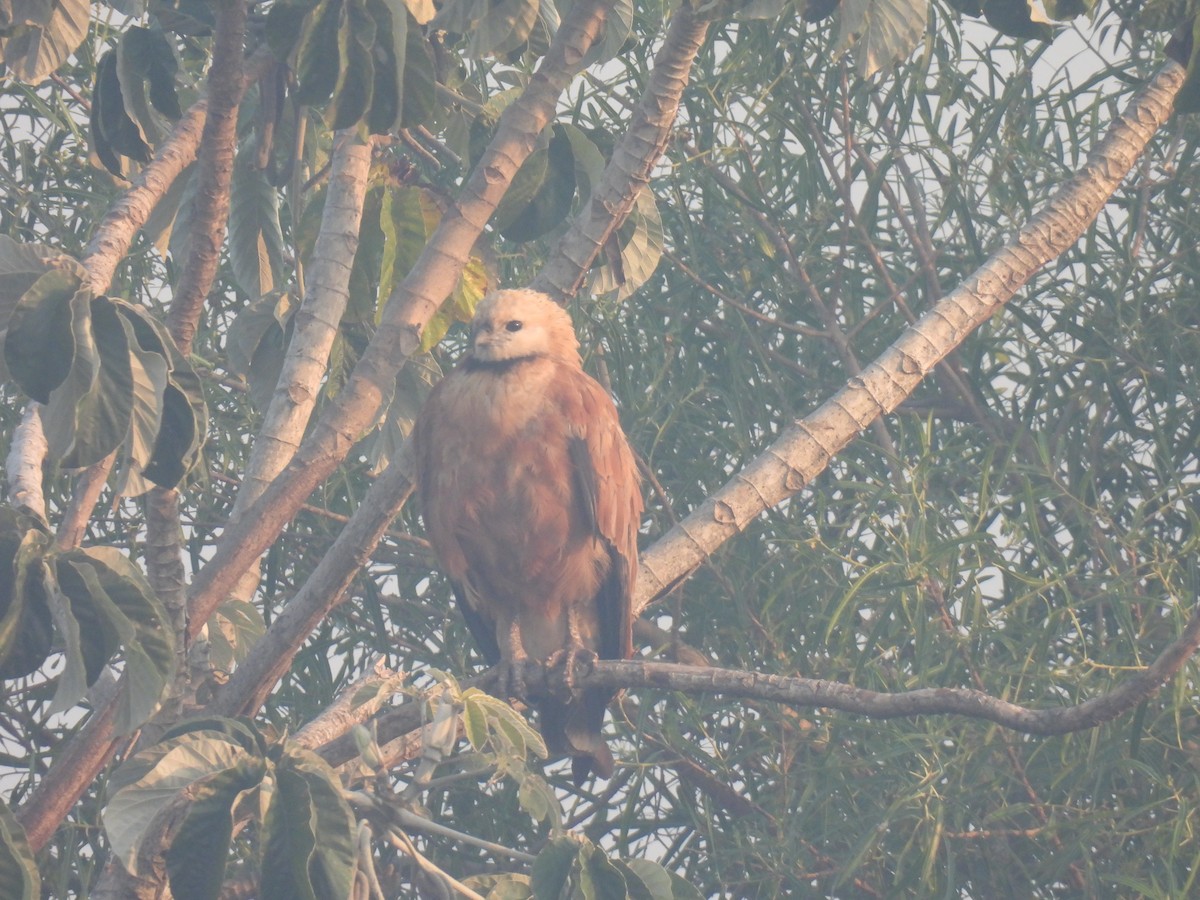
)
(23, 465)
(806, 447)
(633, 158)
(214, 173)
(315, 325)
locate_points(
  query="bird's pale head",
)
(521, 324)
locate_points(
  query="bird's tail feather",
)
(575, 729)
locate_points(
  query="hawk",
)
(532, 503)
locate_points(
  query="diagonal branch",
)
(633, 158)
(806, 447)
(214, 173)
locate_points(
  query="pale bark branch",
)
(23, 465)
(315, 325)
(807, 446)
(633, 159)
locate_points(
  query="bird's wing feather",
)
(609, 497)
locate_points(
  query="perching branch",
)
(807, 693)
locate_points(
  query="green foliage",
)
(18, 870)
(109, 376)
(99, 604)
(1024, 525)
(308, 847)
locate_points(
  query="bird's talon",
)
(572, 660)
(510, 679)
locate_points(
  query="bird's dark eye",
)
(514, 325)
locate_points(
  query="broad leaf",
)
(317, 64)
(159, 774)
(83, 428)
(26, 631)
(502, 26)
(288, 840)
(553, 866)
(199, 851)
(18, 868)
(550, 201)
(102, 580)
(639, 245)
(881, 31)
(40, 344)
(309, 848)
(114, 133)
(255, 236)
(46, 35)
(356, 76)
(149, 371)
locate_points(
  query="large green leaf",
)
(146, 67)
(43, 36)
(356, 77)
(639, 242)
(553, 866)
(153, 778)
(18, 868)
(285, 23)
(83, 427)
(882, 32)
(551, 200)
(501, 26)
(40, 344)
(149, 370)
(21, 265)
(308, 832)
(114, 132)
(199, 851)
(403, 93)
(331, 867)
(317, 64)
(255, 236)
(103, 581)
(133, 57)
(184, 415)
(26, 630)
(288, 840)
